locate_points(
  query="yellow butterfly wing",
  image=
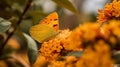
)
(52, 21)
(47, 28)
(42, 32)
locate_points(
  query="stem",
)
(15, 28)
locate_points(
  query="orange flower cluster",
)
(91, 58)
(85, 32)
(110, 11)
(52, 48)
(97, 57)
(90, 33)
(68, 62)
(95, 40)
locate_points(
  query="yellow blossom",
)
(110, 11)
(52, 48)
(40, 62)
(69, 61)
(85, 32)
(113, 27)
(58, 64)
(97, 57)
(112, 40)
(73, 42)
(3, 64)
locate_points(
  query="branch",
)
(28, 5)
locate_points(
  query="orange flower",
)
(86, 32)
(110, 11)
(69, 61)
(99, 57)
(52, 48)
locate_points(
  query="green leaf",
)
(25, 26)
(66, 4)
(4, 25)
(36, 15)
(75, 53)
(42, 32)
(32, 49)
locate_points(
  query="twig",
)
(19, 21)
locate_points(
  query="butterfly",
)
(46, 29)
(52, 21)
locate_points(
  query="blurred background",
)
(12, 9)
